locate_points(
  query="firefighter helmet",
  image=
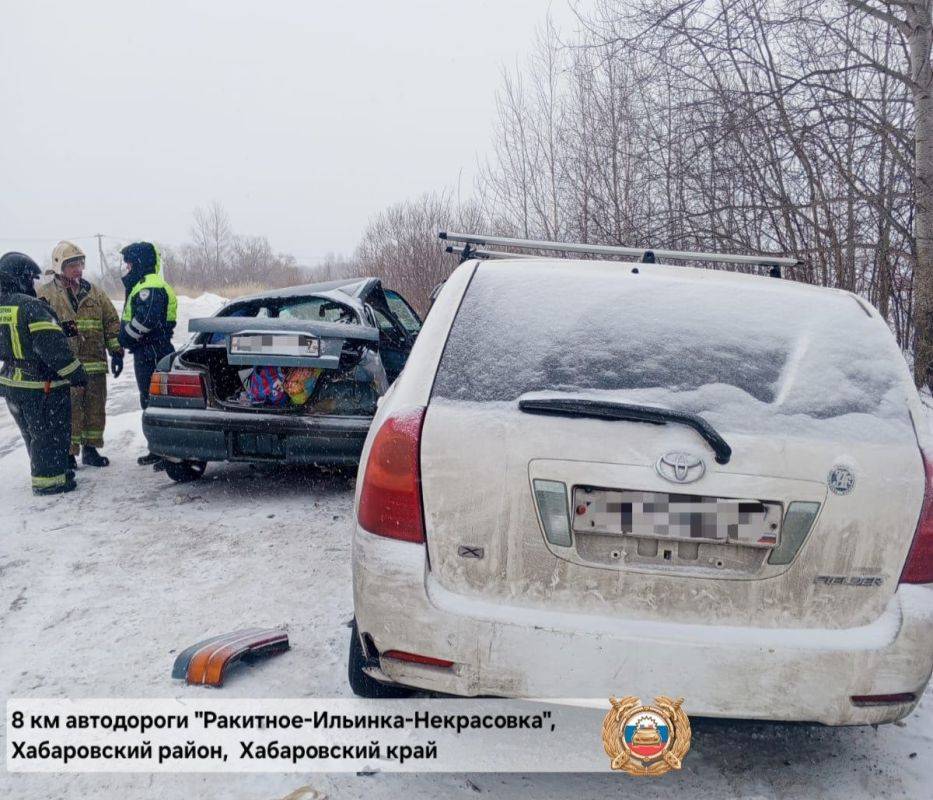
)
(19, 273)
(65, 252)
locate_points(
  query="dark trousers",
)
(145, 359)
(44, 420)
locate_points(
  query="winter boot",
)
(68, 486)
(149, 458)
(159, 465)
(91, 458)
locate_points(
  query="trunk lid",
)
(806, 525)
(336, 366)
(252, 341)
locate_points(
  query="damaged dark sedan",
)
(289, 376)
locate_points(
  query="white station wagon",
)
(599, 478)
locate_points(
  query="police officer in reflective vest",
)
(148, 318)
(94, 325)
(38, 369)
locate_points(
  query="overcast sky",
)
(302, 117)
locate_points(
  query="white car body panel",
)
(528, 619)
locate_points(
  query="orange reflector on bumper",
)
(414, 658)
(883, 699)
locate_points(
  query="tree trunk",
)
(920, 39)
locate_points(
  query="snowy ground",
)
(100, 588)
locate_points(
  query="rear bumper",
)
(753, 673)
(214, 435)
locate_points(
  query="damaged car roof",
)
(349, 287)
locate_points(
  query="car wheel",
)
(361, 684)
(185, 471)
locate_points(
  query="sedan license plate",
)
(275, 344)
(258, 445)
(661, 515)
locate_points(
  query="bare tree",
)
(400, 244)
(217, 259)
(913, 22)
(335, 267)
(211, 243)
(733, 125)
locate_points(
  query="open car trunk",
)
(287, 366)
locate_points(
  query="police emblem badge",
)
(646, 740)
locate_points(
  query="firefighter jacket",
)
(33, 348)
(95, 317)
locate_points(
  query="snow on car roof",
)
(672, 271)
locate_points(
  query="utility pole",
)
(104, 266)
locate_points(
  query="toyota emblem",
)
(680, 467)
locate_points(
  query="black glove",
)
(116, 364)
(70, 328)
(79, 377)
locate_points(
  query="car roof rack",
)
(468, 251)
(474, 246)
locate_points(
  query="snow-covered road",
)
(99, 589)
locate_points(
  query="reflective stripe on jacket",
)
(152, 281)
(149, 314)
(96, 319)
(33, 348)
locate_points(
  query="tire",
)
(185, 471)
(361, 684)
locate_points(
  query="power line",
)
(61, 238)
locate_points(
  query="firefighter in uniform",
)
(38, 368)
(87, 313)
(148, 319)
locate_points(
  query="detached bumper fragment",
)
(206, 662)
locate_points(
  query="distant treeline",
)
(798, 127)
(218, 259)
(781, 126)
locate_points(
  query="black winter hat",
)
(141, 255)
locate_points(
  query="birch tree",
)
(913, 21)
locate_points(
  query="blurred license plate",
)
(258, 445)
(275, 344)
(661, 515)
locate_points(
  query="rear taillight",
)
(919, 565)
(390, 499)
(177, 384)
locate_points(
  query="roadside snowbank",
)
(205, 305)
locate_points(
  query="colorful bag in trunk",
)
(300, 384)
(266, 386)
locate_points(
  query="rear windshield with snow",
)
(750, 355)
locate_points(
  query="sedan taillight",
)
(919, 565)
(177, 384)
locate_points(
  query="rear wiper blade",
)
(629, 412)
